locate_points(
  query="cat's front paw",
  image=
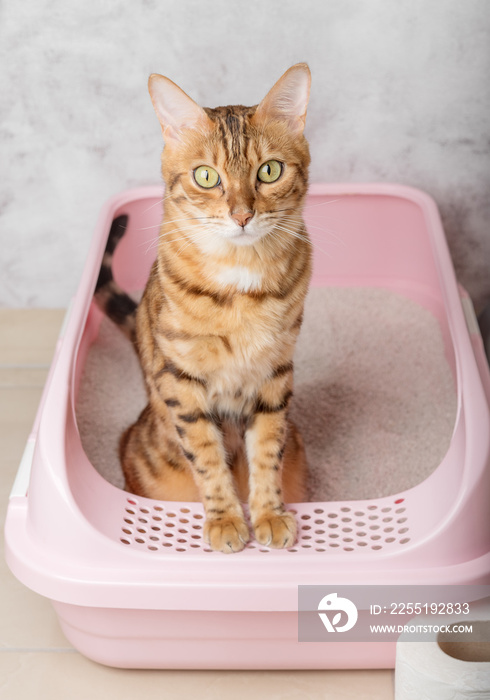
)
(226, 534)
(277, 531)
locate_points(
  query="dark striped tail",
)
(109, 296)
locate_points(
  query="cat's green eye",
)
(206, 177)
(270, 171)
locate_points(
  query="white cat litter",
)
(374, 396)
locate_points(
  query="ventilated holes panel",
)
(156, 528)
(179, 529)
(351, 529)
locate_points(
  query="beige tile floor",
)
(36, 662)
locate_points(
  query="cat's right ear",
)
(175, 110)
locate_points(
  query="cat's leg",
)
(236, 457)
(201, 440)
(295, 467)
(265, 440)
(153, 463)
(191, 467)
(225, 528)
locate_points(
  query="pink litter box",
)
(130, 578)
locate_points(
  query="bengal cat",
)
(217, 325)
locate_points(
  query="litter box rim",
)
(33, 551)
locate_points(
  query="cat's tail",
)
(109, 296)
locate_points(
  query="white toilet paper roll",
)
(423, 671)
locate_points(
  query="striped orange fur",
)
(218, 321)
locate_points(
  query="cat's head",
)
(236, 172)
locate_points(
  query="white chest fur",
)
(241, 277)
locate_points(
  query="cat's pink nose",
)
(242, 217)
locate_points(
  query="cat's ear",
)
(175, 110)
(288, 98)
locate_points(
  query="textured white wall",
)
(401, 92)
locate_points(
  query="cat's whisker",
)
(160, 201)
(203, 218)
(165, 233)
(320, 204)
(295, 234)
(277, 236)
(171, 221)
(309, 206)
(195, 239)
(292, 233)
(300, 234)
(182, 227)
(148, 228)
(171, 235)
(332, 233)
(153, 243)
(289, 242)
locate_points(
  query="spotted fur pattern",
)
(218, 321)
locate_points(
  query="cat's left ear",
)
(288, 98)
(175, 110)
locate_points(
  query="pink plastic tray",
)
(128, 600)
